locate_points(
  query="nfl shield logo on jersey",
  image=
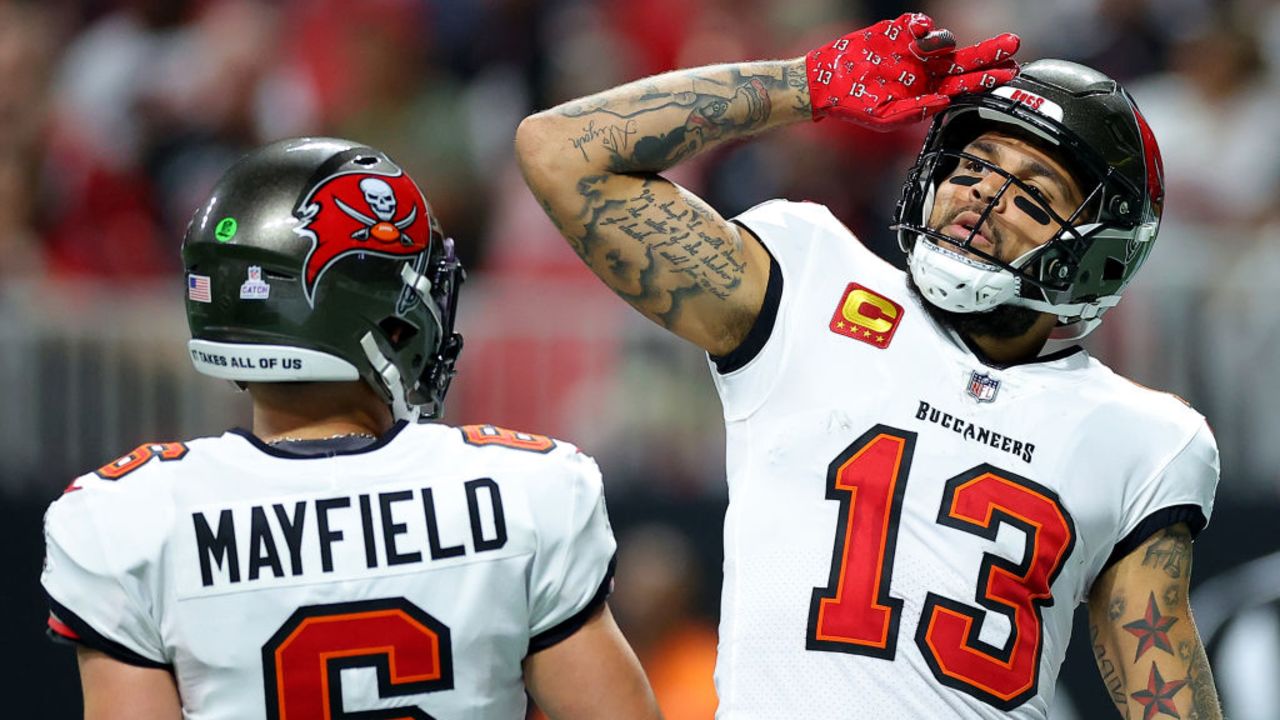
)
(983, 387)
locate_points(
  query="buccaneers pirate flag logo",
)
(361, 213)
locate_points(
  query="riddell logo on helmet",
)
(360, 213)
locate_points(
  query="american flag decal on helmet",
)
(983, 387)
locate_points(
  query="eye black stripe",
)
(1036, 212)
(965, 180)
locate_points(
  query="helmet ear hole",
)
(397, 331)
(1112, 270)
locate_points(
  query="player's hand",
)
(901, 71)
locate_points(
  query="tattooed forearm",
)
(1112, 674)
(593, 165)
(675, 251)
(798, 80)
(653, 124)
(1204, 696)
(1157, 697)
(1171, 552)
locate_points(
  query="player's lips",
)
(961, 228)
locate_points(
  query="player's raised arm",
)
(593, 163)
(1144, 639)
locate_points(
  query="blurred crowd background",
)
(116, 117)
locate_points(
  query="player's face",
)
(1018, 223)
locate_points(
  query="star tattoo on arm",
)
(1152, 630)
(1157, 699)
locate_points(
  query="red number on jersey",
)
(856, 614)
(492, 435)
(303, 662)
(978, 502)
(140, 456)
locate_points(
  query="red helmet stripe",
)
(1151, 153)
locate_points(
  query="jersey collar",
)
(330, 447)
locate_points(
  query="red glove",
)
(897, 72)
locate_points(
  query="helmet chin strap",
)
(958, 283)
(961, 284)
(1083, 317)
(389, 374)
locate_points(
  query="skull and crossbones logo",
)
(382, 226)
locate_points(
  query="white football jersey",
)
(909, 529)
(415, 573)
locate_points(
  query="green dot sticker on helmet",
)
(226, 229)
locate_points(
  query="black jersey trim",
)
(1192, 515)
(997, 365)
(321, 448)
(761, 329)
(560, 632)
(92, 639)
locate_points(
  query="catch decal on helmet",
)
(358, 212)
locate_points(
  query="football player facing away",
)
(919, 495)
(340, 560)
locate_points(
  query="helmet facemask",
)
(1075, 275)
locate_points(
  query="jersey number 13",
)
(856, 613)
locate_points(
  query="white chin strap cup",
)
(957, 283)
(960, 284)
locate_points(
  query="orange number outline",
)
(410, 650)
(140, 456)
(492, 435)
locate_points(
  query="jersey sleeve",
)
(1180, 491)
(96, 594)
(572, 572)
(796, 235)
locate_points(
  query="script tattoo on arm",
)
(1112, 673)
(674, 253)
(593, 163)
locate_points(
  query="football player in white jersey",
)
(919, 494)
(340, 560)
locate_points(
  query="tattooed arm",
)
(1144, 639)
(593, 165)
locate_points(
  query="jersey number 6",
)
(855, 612)
(302, 663)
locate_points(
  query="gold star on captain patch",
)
(840, 325)
(880, 338)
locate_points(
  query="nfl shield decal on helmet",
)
(361, 213)
(983, 387)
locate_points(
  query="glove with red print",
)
(901, 71)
